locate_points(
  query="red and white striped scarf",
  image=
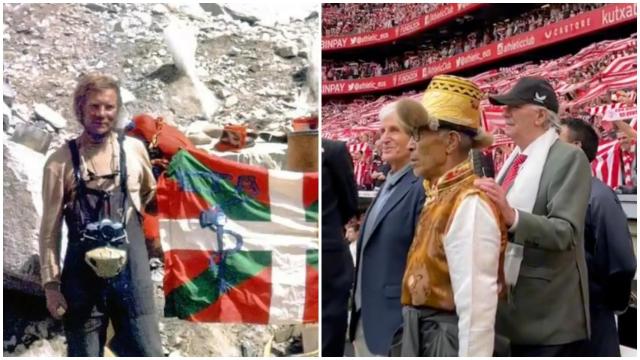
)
(362, 172)
(607, 164)
(621, 64)
(602, 109)
(627, 164)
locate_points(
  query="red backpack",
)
(159, 135)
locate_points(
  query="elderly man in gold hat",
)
(454, 267)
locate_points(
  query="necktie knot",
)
(519, 160)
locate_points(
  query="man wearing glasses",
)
(453, 275)
(542, 192)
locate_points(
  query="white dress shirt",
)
(472, 247)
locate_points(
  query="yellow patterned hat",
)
(449, 100)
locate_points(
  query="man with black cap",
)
(542, 192)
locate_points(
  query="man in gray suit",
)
(385, 236)
(543, 192)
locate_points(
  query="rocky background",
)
(197, 66)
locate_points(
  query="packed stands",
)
(344, 19)
(447, 47)
(591, 84)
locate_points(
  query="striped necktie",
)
(513, 171)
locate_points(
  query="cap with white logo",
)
(529, 90)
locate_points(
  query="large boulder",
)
(22, 207)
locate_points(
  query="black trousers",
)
(337, 279)
(134, 321)
(576, 348)
(126, 300)
(134, 336)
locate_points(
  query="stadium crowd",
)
(365, 147)
(345, 19)
(578, 74)
(429, 53)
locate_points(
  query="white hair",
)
(387, 110)
(552, 118)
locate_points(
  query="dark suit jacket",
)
(339, 193)
(383, 263)
(550, 304)
(612, 265)
(339, 204)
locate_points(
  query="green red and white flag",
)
(240, 241)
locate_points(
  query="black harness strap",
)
(123, 177)
(81, 187)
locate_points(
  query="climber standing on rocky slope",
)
(99, 182)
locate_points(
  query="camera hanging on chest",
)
(101, 217)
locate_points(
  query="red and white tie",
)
(513, 171)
